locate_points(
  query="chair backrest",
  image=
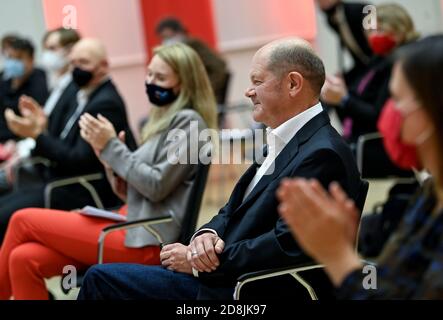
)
(222, 96)
(194, 203)
(373, 161)
(362, 194)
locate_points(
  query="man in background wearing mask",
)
(19, 77)
(58, 138)
(171, 30)
(57, 45)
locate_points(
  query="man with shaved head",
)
(57, 137)
(247, 234)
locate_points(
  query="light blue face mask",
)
(13, 68)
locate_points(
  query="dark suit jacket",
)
(35, 86)
(255, 236)
(73, 156)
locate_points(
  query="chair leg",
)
(302, 281)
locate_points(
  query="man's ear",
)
(295, 83)
(103, 66)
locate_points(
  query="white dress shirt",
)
(278, 138)
(82, 100)
(57, 92)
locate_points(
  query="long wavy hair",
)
(195, 92)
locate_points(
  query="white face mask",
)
(173, 40)
(53, 61)
(425, 135)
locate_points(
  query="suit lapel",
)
(240, 187)
(63, 109)
(288, 154)
(281, 162)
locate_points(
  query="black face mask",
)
(160, 96)
(81, 77)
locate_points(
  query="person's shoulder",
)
(327, 140)
(354, 10)
(203, 49)
(188, 115)
(38, 72)
(106, 92)
(195, 43)
(37, 75)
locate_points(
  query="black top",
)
(72, 155)
(367, 96)
(411, 264)
(35, 87)
(353, 15)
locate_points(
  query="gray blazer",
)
(155, 185)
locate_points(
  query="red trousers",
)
(39, 243)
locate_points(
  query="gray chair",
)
(189, 221)
(188, 225)
(373, 161)
(28, 172)
(296, 270)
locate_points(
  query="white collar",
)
(287, 130)
(63, 81)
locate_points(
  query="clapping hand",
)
(96, 131)
(324, 225)
(32, 122)
(334, 90)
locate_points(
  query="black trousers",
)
(66, 198)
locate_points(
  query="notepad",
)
(95, 212)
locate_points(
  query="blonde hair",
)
(196, 91)
(393, 17)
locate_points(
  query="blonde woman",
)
(39, 243)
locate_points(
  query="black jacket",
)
(364, 107)
(353, 17)
(73, 156)
(255, 236)
(35, 86)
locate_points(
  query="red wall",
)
(196, 15)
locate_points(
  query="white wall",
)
(24, 17)
(243, 26)
(426, 14)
